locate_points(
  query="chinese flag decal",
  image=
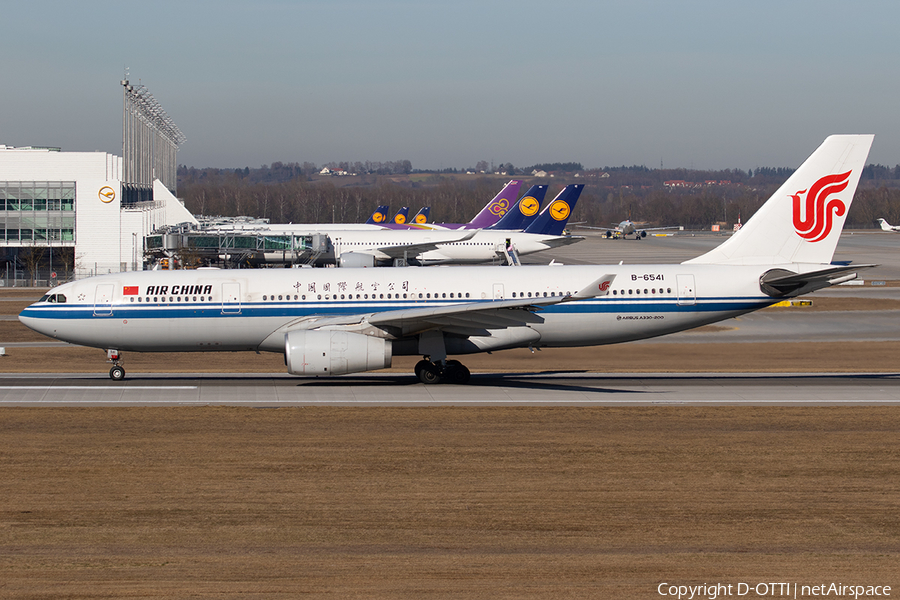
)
(130, 290)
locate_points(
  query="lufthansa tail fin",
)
(401, 216)
(524, 212)
(802, 221)
(379, 216)
(421, 217)
(553, 219)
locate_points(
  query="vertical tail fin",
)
(401, 216)
(524, 212)
(421, 217)
(802, 221)
(497, 207)
(553, 219)
(379, 216)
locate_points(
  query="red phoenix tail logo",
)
(813, 218)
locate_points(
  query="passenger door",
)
(231, 298)
(687, 295)
(103, 300)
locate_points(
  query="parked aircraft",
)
(462, 246)
(498, 206)
(625, 228)
(335, 321)
(887, 226)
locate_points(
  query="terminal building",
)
(67, 215)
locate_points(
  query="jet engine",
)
(323, 353)
(356, 260)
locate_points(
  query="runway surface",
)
(587, 389)
(581, 389)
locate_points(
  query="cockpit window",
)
(61, 298)
(54, 298)
(45, 298)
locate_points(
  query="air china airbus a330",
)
(335, 321)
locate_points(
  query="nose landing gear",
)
(117, 372)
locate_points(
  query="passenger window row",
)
(646, 291)
(173, 299)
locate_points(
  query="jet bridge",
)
(234, 249)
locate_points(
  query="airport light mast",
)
(150, 141)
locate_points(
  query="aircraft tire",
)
(428, 373)
(456, 372)
(419, 366)
(117, 373)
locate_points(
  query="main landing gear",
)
(117, 372)
(451, 371)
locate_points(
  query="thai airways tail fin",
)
(552, 220)
(524, 212)
(401, 216)
(803, 220)
(497, 207)
(421, 217)
(379, 216)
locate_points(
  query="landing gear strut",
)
(452, 371)
(117, 372)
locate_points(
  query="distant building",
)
(53, 200)
(67, 215)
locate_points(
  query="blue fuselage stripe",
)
(254, 310)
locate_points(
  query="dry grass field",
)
(210, 502)
(443, 502)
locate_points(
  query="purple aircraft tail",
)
(497, 207)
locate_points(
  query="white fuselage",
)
(197, 310)
(483, 246)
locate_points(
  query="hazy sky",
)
(703, 84)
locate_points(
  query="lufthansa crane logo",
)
(106, 194)
(400, 219)
(421, 218)
(529, 206)
(378, 217)
(559, 210)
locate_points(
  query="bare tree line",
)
(458, 199)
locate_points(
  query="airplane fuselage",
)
(484, 246)
(215, 310)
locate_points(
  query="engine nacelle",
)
(323, 353)
(356, 260)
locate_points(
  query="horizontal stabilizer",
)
(780, 283)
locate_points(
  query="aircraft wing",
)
(468, 318)
(412, 250)
(563, 240)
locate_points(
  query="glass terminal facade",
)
(37, 211)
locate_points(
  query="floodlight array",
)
(150, 140)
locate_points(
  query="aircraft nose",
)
(30, 319)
